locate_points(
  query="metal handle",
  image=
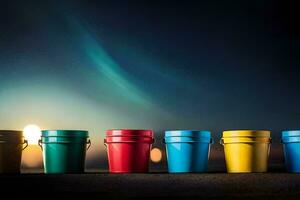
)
(26, 144)
(40, 144)
(211, 141)
(89, 143)
(105, 143)
(221, 141)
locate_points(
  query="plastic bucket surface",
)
(11, 145)
(291, 148)
(187, 151)
(246, 150)
(128, 151)
(64, 151)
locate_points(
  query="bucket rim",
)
(129, 132)
(241, 140)
(11, 134)
(64, 130)
(290, 133)
(290, 136)
(180, 139)
(11, 131)
(188, 133)
(64, 133)
(106, 141)
(286, 140)
(246, 133)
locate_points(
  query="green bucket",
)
(11, 146)
(64, 150)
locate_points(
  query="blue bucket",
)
(291, 148)
(187, 151)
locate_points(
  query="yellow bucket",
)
(246, 151)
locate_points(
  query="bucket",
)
(128, 151)
(11, 146)
(187, 151)
(246, 150)
(64, 150)
(291, 148)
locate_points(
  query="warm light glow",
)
(156, 155)
(32, 157)
(32, 133)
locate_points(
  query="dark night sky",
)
(98, 65)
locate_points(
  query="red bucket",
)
(128, 151)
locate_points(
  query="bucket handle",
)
(211, 141)
(40, 144)
(105, 141)
(89, 143)
(26, 144)
(222, 141)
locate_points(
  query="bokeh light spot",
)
(156, 155)
(32, 133)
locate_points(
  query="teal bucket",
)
(64, 150)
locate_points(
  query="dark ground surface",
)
(216, 184)
(272, 185)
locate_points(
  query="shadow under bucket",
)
(246, 150)
(11, 146)
(64, 151)
(187, 151)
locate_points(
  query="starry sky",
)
(97, 65)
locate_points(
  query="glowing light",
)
(156, 155)
(32, 133)
(32, 157)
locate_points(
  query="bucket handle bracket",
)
(89, 143)
(105, 143)
(40, 144)
(222, 141)
(26, 144)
